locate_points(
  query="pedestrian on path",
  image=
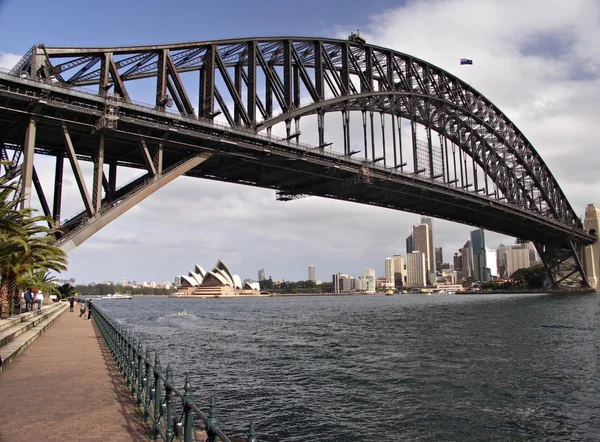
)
(82, 310)
(39, 298)
(28, 298)
(22, 303)
(71, 303)
(90, 309)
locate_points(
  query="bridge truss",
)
(307, 117)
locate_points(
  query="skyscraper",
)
(398, 262)
(410, 245)
(311, 273)
(516, 258)
(416, 269)
(431, 264)
(479, 255)
(421, 244)
(261, 275)
(389, 271)
(467, 260)
(439, 258)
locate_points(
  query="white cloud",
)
(8, 61)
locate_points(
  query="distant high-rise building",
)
(311, 273)
(399, 274)
(389, 271)
(479, 256)
(591, 223)
(335, 280)
(410, 244)
(416, 274)
(501, 260)
(439, 258)
(431, 264)
(458, 261)
(516, 258)
(491, 266)
(421, 244)
(467, 260)
(261, 275)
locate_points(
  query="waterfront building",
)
(311, 273)
(261, 275)
(431, 265)
(219, 281)
(398, 271)
(369, 279)
(591, 223)
(479, 256)
(416, 269)
(516, 258)
(421, 244)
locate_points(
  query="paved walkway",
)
(65, 387)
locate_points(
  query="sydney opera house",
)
(217, 282)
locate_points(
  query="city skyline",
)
(246, 226)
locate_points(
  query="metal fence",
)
(154, 392)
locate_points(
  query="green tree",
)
(531, 277)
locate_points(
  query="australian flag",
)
(466, 61)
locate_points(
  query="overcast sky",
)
(538, 60)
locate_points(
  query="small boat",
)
(116, 296)
(390, 292)
(182, 313)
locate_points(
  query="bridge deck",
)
(66, 387)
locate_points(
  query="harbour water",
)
(388, 368)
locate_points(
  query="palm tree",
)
(27, 246)
(66, 291)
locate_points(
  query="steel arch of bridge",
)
(260, 84)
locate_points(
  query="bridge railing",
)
(172, 413)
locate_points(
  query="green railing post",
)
(188, 418)
(157, 394)
(212, 425)
(147, 388)
(133, 365)
(140, 375)
(168, 404)
(252, 434)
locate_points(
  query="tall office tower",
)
(431, 264)
(399, 273)
(410, 244)
(457, 260)
(439, 258)
(501, 260)
(389, 271)
(416, 270)
(261, 275)
(516, 258)
(478, 246)
(591, 223)
(369, 280)
(311, 273)
(491, 271)
(467, 259)
(421, 244)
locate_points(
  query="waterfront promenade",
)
(64, 387)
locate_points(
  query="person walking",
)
(82, 310)
(22, 303)
(28, 298)
(90, 309)
(71, 303)
(39, 298)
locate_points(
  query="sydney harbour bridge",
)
(306, 117)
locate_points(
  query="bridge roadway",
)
(65, 386)
(245, 157)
